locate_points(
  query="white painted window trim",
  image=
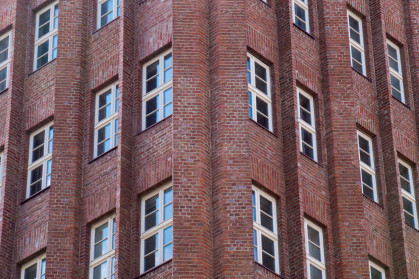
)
(38, 262)
(410, 196)
(302, 124)
(42, 160)
(262, 230)
(256, 92)
(47, 37)
(359, 47)
(108, 256)
(114, 11)
(302, 4)
(158, 228)
(157, 91)
(310, 260)
(397, 74)
(6, 63)
(377, 267)
(365, 167)
(111, 119)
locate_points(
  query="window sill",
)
(154, 268)
(43, 66)
(266, 3)
(273, 272)
(409, 226)
(372, 201)
(396, 100)
(104, 26)
(154, 125)
(311, 159)
(362, 75)
(102, 155)
(304, 31)
(4, 90)
(35, 195)
(263, 127)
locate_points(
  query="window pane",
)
(396, 87)
(152, 104)
(50, 137)
(308, 150)
(367, 178)
(307, 137)
(365, 158)
(56, 10)
(44, 23)
(168, 238)
(315, 273)
(151, 212)
(268, 245)
(151, 119)
(392, 52)
(408, 206)
(393, 64)
(4, 49)
(101, 271)
(30, 272)
(261, 106)
(266, 221)
(255, 244)
(268, 262)
(168, 108)
(263, 120)
(3, 76)
(300, 19)
(43, 266)
(266, 205)
(357, 55)
(364, 144)
(314, 251)
(168, 235)
(150, 245)
(261, 85)
(36, 180)
(354, 24)
(101, 232)
(38, 141)
(42, 54)
(101, 248)
(250, 105)
(313, 235)
(168, 199)
(409, 219)
(54, 47)
(375, 274)
(404, 171)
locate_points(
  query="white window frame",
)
(38, 261)
(111, 119)
(6, 63)
(159, 90)
(365, 167)
(398, 75)
(42, 160)
(377, 267)
(410, 196)
(352, 43)
(158, 228)
(303, 5)
(108, 256)
(302, 124)
(115, 7)
(267, 98)
(1, 169)
(311, 260)
(47, 37)
(262, 230)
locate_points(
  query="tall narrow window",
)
(316, 264)
(107, 10)
(396, 75)
(260, 103)
(356, 43)
(156, 228)
(366, 162)
(40, 160)
(376, 271)
(300, 13)
(265, 235)
(34, 269)
(1, 169)
(106, 124)
(102, 250)
(46, 35)
(157, 89)
(408, 194)
(5, 47)
(307, 125)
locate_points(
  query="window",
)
(356, 42)
(265, 236)
(1, 169)
(156, 228)
(5, 53)
(376, 272)
(157, 89)
(34, 269)
(260, 104)
(300, 14)
(106, 119)
(40, 159)
(366, 162)
(46, 35)
(316, 268)
(307, 125)
(102, 250)
(396, 75)
(408, 194)
(107, 10)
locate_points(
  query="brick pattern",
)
(209, 148)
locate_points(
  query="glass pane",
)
(38, 146)
(168, 110)
(266, 221)
(151, 244)
(168, 211)
(249, 76)
(3, 75)
(405, 185)
(364, 144)
(260, 72)
(375, 274)
(151, 205)
(357, 55)
(268, 245)
(305, 102)
(409, 219)
(354, 23)
(168, 61)
(101, 271)
(395, 82)
(261, 85)
(54, 47)
(168, 252)
(104, 133)
(30, 272)
(314, 251)
(355, 36)
(168, 74)
(43, 266)
(308, 150)
(313, 235)
(152, 70)
(396, 94)
(44, 23)
(365, 158)
(151, 84)
(254, 205)
(408, 206)
(255, 249)
(404, 172)
(168, 95)
(367, 178)
(268, 262)
(4, 49)
(151, 119)
(266, 206)
(315, 273)
(106, 7)
(307, 137)
(250, 105)
(263, 120)
(261, 106)
(49, 163)
(300, 19)
(168, 235)
(392, 52)
(393, 64)
(151, 260)
(152, 104)
(103, 147)
(36, 174)
(101, 232)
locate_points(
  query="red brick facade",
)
(209, 148)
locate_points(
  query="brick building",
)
(136, 143)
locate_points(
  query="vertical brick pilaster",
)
(65, 200)
(192, 252)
